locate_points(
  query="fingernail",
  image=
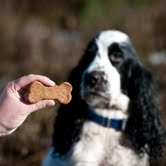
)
(50, 103)
(52, 82)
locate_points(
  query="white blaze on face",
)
(103, 64)
(110, 74)
(109, 37)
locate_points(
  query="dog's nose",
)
(93, 79)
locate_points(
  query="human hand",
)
(13, 107)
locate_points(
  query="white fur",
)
(112, 36)
(99, 146)
(102, 63)
(102, 146)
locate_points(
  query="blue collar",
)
(118, 124)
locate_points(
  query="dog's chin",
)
(97, 99)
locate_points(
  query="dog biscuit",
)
(37, 91)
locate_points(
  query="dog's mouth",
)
(98, 94)
(97, 98)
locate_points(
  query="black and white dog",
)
(113, 118)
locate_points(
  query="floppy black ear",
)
(144, 126)
(68, 123)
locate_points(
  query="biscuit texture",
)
(37, 92)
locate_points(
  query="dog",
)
(113, 118)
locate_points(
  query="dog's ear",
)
(76, 74)
(68, 123)
(144, 126)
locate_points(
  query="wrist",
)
(10, 122)
(4, 130)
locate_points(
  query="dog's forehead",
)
(112, 36)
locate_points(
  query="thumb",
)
(42, 104)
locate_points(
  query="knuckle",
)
(10, 87)
(9, 84)
(29, 76)
(40, 105)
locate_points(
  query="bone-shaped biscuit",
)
(37, 91)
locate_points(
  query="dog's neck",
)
(114, 117)
(110, 113)
(117, 123)
(118, 108)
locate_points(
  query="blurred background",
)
(48, 38)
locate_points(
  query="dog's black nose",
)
(93, 79)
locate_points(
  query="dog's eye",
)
(115, 54)
(116, 57)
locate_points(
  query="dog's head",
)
(107, 74)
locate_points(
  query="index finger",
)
(26, 80)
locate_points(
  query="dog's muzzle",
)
(95, 81)
(95, 89)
